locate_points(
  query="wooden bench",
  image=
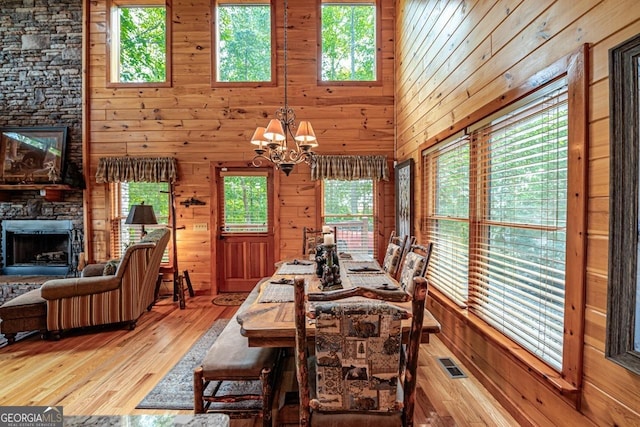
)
(237, 379)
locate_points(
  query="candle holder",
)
(330, 279)
(320, 260)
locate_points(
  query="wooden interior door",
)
(245, 240)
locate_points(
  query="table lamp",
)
(141, 214)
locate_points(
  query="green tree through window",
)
(244, 43)
(348, 42)
(139, 50)
(348, 205)
(245, 203)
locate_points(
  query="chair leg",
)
(198, 401)
(265, 379)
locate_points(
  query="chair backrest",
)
(358, 363)
(414, 264)
(138, 270)
(395, 251)
(312, 238)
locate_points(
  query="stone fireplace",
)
(39, 247)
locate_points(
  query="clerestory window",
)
(139, 43)
(243, 41)
(349, 41)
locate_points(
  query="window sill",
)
(532, 364)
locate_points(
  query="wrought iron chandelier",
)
(277, 142)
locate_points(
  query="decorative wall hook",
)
(192, 201)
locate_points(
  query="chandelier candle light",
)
(274, 142)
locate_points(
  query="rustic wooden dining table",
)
(269, 320)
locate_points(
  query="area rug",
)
(175, 390)
(235, 298)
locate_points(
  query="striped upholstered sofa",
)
(104, 299)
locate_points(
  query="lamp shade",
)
(305, 134)
(141, 214)
(275, 131)
(258, 137)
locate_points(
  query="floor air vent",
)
(451, 368)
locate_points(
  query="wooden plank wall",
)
(199, 125)
(453, 57)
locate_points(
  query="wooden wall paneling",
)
(597, 293)
(595, 327)
(612, 380)
(599, 94)
(446, 55)
(596, 405)
(599, 177)
(476, 92)
(472, 50)
(600, 50)
(429, 51)
(514, 26)
(416, 44)
(598, 210)
(599, 139)
(598, 253)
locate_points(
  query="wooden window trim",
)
(214, 43)
(574, 67)
(378, 80)
(169, 31)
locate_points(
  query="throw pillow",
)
(110, 267)
(153, 236)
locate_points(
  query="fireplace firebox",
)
(37, 247)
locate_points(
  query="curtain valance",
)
(137, 169)
(350, 168)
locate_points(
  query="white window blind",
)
(496, 210)
(447, 207)
(518, 263)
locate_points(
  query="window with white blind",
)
(349, 206)
(126, 194)
(447, 181)
(497, 213)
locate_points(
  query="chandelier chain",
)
(273, 142)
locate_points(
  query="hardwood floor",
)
(108, 372)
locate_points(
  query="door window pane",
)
(245, 204)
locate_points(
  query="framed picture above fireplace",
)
(32, 155)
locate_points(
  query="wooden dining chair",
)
(395, 251)
(414, 264)
(361, 374)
